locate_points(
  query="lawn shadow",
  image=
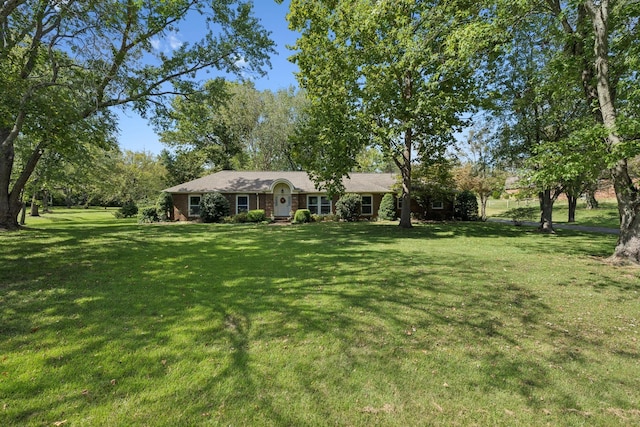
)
(149, 304)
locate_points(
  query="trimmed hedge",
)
(213, 207)
(302, 216)
(387, 209)
(256, 215)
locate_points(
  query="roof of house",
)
(259, 182)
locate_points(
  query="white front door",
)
(281, 200)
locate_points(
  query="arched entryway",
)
(281, 200)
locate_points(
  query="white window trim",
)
(370, 205)
(320, 196)
(248, 202)
(190, 214)
(436, 207)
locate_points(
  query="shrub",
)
(302, 216)
(349, 207)
(149, 215)
(387, 209)
(165, 205)
(256, 215)
(466, 206)
(129, 209)
(240, 218)
(213, 207)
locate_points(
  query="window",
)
(320, 205)
(367, 205)
(242, 204)
(194, 205)
(437, 204)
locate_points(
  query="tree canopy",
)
(63, 63)
(380, 74)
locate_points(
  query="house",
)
(279, 194)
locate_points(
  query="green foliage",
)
(148, 215)
(349, 207)
(301, 216)
(233, 125)
(129, 209)
(466, 206)
(213, 207)
(385, 75)
(240, 218)
(256, 215)
(165, 205)
(387, 209)
(63, 65)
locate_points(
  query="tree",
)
(608, 73)
(65, 63)
(233, 125)
(182, 165)
(538, 103)
(432, 181)
(479, 173)
(137, 176)
(379, 74)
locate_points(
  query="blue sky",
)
(137, 135)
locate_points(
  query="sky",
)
(136, 134)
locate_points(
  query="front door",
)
(281, 200)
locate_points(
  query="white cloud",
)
(167, 44)
(155, 43)
(174, 41)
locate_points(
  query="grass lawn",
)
(605, 216)
(107, 322)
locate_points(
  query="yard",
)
(107, 322)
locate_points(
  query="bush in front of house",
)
(387, 210)
(349, 207)
(302, 216)
(165, 205)
(256, 215)
(148, 215)
(213, 207)
(466, 206)
(129, 209)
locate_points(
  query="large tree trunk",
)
(405, 167)
(34, 205)
(546, 211)
(628, 246)
(590, 194)
(405, 170)
(10, 202)
(573, 204)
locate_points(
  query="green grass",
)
(107, 322)
(605, 216)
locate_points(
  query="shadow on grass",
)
(253, 316)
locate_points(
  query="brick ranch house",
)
(280, 194)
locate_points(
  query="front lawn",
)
(108, 322)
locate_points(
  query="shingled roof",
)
(261, 182)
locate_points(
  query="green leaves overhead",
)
(386, 74)
(63, 62)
